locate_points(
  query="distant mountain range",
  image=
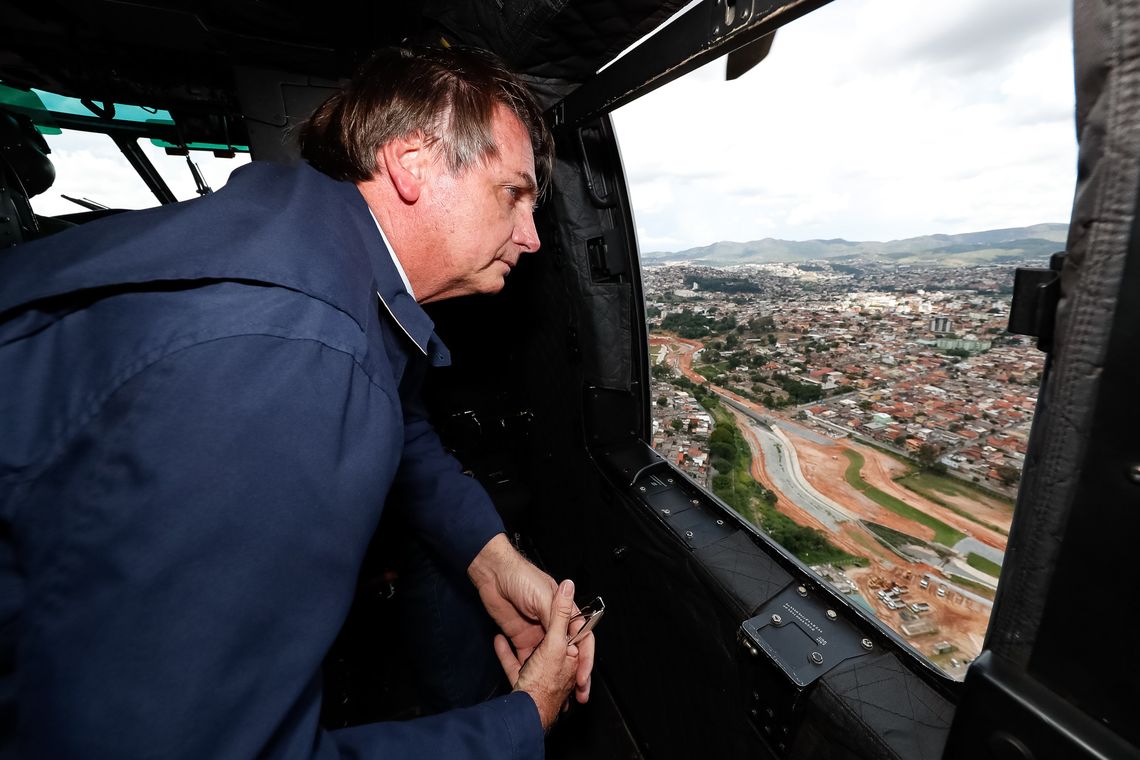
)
(966, 249)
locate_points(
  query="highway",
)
(787, 478)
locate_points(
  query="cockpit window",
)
(828, 247)
(91, 169)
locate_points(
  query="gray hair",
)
(448, 95)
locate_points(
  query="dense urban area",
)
(872, 418)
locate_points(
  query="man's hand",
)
(519, 598)
(548, 674)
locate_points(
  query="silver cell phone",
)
(591, 613)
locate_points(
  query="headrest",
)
(24, 151)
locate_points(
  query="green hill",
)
(972, 248)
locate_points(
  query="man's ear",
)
(406, 160)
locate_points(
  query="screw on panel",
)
(720, 522)
(816, 658)
(801, 590)
(868, 644)
(688, 534)
(666, 511)
(642, 489)
(696, 501)
(776, 620)
(831, 615)
(668, 480)
(1134, 473)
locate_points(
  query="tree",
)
(865, 405)
(676, 425)
(927, 456)
(771, 339)
(662, 401)
(1009, 474)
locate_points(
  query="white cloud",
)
(871, 119)
(90, 166)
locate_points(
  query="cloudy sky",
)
(869, 120)
(90, 166)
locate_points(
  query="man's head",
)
(450, 151)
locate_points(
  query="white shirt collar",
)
(392, 253)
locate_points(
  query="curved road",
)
(782, 470)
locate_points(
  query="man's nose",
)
(526, 236)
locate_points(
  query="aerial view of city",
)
(870, 416)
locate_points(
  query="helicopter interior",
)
(717, 642)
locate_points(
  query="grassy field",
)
(931, 485)
(978, 562)
(978, 588)
(711, 372)
(943, 533)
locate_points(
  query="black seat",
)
(25, 172)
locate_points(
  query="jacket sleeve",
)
(449, 510)
(191, 553)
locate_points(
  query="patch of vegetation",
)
(725, 284)
(921, 483)
(894, 537)
(800, 393)
(943, 533)
(690, 325)
(978, 562)
(731, 457)
(979, 588)
(711, 372)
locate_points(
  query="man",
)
(206, 407)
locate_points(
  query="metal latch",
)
(1036, 293)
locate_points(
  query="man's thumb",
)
(561, 610)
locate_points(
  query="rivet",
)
(776, 620)
(868, 644)
(831, 615)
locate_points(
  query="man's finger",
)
(585, 667)
(510, 663)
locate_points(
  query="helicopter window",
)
(214, 169)
(861, 402)
(90, 169)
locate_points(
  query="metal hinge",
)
(1036, 293)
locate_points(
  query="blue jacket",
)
(203, 410)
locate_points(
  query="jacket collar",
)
(399, 304)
